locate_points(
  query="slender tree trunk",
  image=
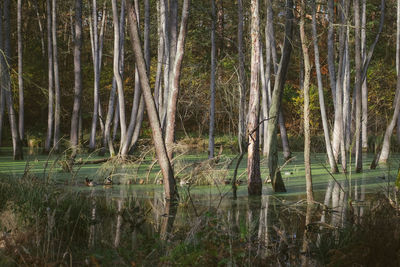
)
(50, 117)
(96, 69)
(277, 182)
(174, 86)
(264, 101)
(20, 72)
(306, 88)
(332, 162)
(2, 87)
(364, 88)
(35, 4)
(397, 59)
(160, 58)
(331, 51)
(162, 156)
(57, 100)
(358, 63)
(212, 83)
(347, 83)
(253, 157)
(77, 77)
(167, 62)
(282, 128)
(6, 80)
(242, 80)
(117, 74)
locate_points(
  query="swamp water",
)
(133, 225)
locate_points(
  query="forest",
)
(179, 132)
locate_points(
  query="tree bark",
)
(242, 81)
(253, 156)
(277, 182)
(117, 75)
(357, 51)
(212, 83)
(331, 51)
(57, 100)
(74, 136)
(96, 70)
(306, 85)
(20, 72)
(364, 88)
(174, 86)
(162, 156)
(329, 152)
(50, 116)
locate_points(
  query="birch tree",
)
(20, 72)
(57, 95)
(50, 112)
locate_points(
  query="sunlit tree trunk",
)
(306, 88)
(242, 80)
(50, 114)
(164, 20)
(332, 162)
(212, 83)
(364, 89)
(20, 72)
(96, 70)
(162, 156)
(331, 56)
(74, 136)
(174, 86)
(277, 182)
(117, 74)
(57, 99)
(160, 58)
(253, 156)
(358, 63)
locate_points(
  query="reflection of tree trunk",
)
(306, 241)
(335, 204)
(119, 223)
(92, 227)
(253, 216)
(263, 228)
(168, 219)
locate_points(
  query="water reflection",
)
(245, 231)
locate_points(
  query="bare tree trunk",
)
(96, 69)
(167, 63)
(306, 85)
(397, 59)
(332, 162)
(264, 101)
(358, 63)
(364, 88)
(212, 83)
(50, 118)
(20, 72)
(277, 182)
(77, 77)
(331, 52)
(6, 80)
(174, 86)
(162, 156)
(282, 128)
(57, 100)
(35, 4)
(242, 80)
(117, 75)
(160, 58)
(253, 157)
(347, 83)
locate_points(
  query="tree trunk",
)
(117, 75)
(20, 72)
(174, 86)
(167, 63)
(332, 162)
(57, 100)
(96, 70)
(50, 116)
(277, 182)
(6, 80)
(357, 51)
(282, 128)
(331, 51)
(212, 83)
(242, 81)
(306, 85)
(169, 180)
(253, 157)
(77, 77)
(160, 58)
(364, 88)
